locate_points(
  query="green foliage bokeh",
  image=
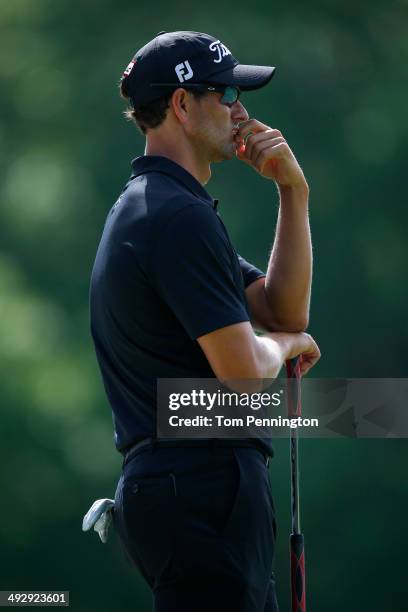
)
(339, 96)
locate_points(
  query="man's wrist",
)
(294, 197)
(299, 190)
(285, 342)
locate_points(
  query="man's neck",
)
(183, 156)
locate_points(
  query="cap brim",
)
(245, 77)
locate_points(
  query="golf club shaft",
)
(297, 553)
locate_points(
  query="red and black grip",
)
(297, 572)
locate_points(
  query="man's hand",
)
(300, 345)
(266, 150)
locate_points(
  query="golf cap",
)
(186, 58)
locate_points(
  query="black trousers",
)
(199, 524)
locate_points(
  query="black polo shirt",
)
(165, 274)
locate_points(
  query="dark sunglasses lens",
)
(231, 95)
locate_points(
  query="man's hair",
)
(151, 114)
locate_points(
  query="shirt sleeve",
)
(196, 272)
(249, 272)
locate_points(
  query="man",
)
(171, 299)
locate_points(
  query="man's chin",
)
(223, 151)
(226, 153)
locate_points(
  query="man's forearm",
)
(289, 274)
(282, 301)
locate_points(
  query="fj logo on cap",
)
(220, 49)
(184, 71)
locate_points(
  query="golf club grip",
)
(297, 572)
(293, 374)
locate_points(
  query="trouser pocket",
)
(149, 522)
(252, 518)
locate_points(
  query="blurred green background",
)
(340, 99)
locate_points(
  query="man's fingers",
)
(307, 364)
(250, 136)
(269, 153)
(274, 145)
(309, 359)
(263, 153)
(254, 126)
(253, 141)
(263, 147)
(250, 151)
(240, 153)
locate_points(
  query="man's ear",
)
(179, 103)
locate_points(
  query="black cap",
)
(185, 58)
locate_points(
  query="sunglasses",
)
(230, 93)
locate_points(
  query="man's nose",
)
(239, 112)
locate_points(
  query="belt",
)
(153, 443)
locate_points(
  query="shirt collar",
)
(157, 163)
